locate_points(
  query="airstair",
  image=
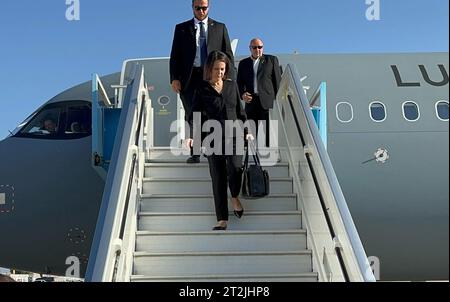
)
(174, 241)
(157, 211)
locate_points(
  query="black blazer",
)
(269, 77)
(219, 107)
(184, 48)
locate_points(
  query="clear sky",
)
(42, 53)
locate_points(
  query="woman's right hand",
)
(189, 143)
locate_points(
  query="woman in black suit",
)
(217, 99)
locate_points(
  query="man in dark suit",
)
(193, 41)
(258, 79)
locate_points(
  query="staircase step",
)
(183, 170)
(228, 263)
(230, 241)
(193, 222)
(205, 203)
(202, 186)
(268, 156)
(158, 155)
(174, 241)
(306, 277)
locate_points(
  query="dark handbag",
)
(256, 182)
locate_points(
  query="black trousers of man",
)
(225, 169)
(257, 113)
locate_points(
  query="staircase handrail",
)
(348, 246)
(111, 253)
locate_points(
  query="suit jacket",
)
(268, 79)
(184, 48)
(219, 107)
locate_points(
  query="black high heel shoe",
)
(239, 214)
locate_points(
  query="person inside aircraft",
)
(78, 119)
(75, 127)
(43, 123)
(49, 125)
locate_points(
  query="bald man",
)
(259, 79)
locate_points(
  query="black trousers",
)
(257, 113)
(187, 93)
(225, 169)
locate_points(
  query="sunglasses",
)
(256, 47)
(199, 8)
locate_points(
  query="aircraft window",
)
(59, 121)
(45, 123)
(411, 111)
(377, 112)
(78, 120)
(344, 112)
(442, 110)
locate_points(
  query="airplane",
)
(386, 134)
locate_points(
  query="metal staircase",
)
(175, 242)
(157, 212)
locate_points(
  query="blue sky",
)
(42, 53)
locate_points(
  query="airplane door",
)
(164, 100)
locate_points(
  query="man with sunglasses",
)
(258, 79)
(193, 41)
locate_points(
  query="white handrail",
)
(347, 243)
(113, 241)
(103, 95)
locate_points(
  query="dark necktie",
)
(203, 47)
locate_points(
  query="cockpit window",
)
(442, 110)
(78, 120)
(64, 120)
(45, 123)
(377, 112)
